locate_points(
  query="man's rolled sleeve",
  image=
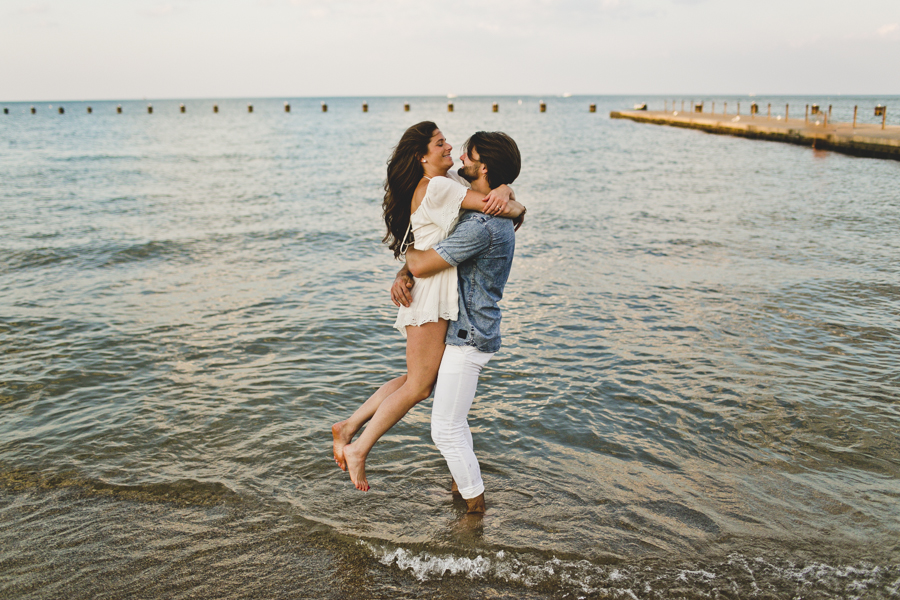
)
(468, 239)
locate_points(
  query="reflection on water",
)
(696, 395)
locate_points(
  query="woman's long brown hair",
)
(404, 171)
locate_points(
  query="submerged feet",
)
(341, 439)
(356, 466)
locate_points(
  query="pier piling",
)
(406, 107)
(62, 111)
(365, 107)
(181, 107)
(449, 107)
(494, 107)
(287, 107)
(149, 109)
(543, 106)
(769, 113)
(90, 110)
(33, 111)
(854, 116)
(806, 116)
(786, 107)
(5, 111)
(249, 108)
(119, 109)
(215, 108)
(324, 107)
(881, 111)
(593, 108)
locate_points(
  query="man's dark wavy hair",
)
(499, 153)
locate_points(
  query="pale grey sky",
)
(120, 49)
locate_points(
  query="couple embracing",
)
(457, 232)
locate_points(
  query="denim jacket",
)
(481, 248)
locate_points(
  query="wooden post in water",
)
(324, 107)
(287, 107)
(181, 107)
(883, 117)
(406, 107)
(725, 110)
(33, 110)
(62, 111)
(149, 109)
(118, 109)
(713, 109)
(682, 106)
(543, 106)
(249, 108)
(449, 107)
(665, 106)
(215, 108)
(829, 112)
(593, 108)
(494, 107)
(5, 111)
(806, 117)
(769, 114)
(786, 107)
(854, 115)
(365, 107)
(739, 108)
(89, 109)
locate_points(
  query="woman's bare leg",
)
(344, 431)
(424, 349)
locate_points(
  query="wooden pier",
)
(862, 140)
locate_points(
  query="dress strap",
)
(403, 244)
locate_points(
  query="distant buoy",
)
(543, 106)
(287, 107)
(118, 109)
(365, 107)
(215, 108)
(495, 107)
(62, 111)
(182, 108)
(449, 107)
(406, 106)
(324, 107)
(249, 108)
(593, 108)
(33, 111)
(149, 109)
(90, 110)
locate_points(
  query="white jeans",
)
(453, 395)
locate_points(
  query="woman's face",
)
(439, 150)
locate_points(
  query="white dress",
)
(435, 297)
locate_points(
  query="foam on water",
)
(738, 573)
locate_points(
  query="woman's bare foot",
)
(356, 466)
(340, 440)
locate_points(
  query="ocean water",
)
(697, 396)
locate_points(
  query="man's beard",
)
(468, 176)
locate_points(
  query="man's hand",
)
(401, 289)
(519, 221)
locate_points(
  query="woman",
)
(422, 201)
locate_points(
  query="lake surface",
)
(697, 395)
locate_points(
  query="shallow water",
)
(696, 397)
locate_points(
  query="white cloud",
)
(160, 10)
(888, 30)
(32, 9)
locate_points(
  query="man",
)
(481, 248)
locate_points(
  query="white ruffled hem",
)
(416, 319)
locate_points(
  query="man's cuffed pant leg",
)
(453, 396)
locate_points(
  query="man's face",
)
(472, 167)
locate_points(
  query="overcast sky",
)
(121, 49)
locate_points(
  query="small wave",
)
(651, 578)
(182, 492)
